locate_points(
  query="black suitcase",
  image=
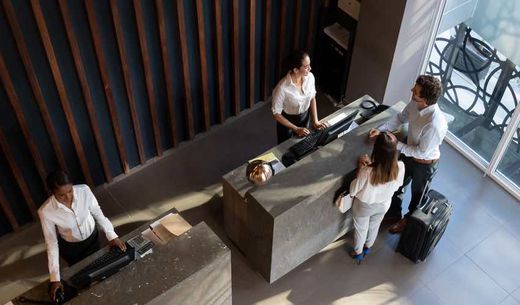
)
(425, 227)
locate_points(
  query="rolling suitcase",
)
(425, 227)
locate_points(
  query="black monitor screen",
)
(335, 130)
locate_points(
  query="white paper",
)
(336, 119)
(149, 234)
(168, 227)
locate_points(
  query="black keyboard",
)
(307, 144)
(104, 266)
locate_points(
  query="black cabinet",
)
(335, 46)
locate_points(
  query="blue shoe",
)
(357, 257)
(366, 251)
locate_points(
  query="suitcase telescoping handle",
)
(424, 202)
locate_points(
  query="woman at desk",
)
(376, 181)
(292, 98)
(68, 219)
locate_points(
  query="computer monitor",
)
(332, 132)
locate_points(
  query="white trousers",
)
(367, 219)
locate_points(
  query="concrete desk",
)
(193, 268)
(283, 223)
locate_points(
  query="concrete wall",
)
(418, 27)
(376, 39)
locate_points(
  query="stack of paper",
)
(166, 228)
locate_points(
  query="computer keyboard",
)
(104, 266)
(307, 144)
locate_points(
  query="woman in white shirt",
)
(377, 179)
(68, 218)
(292, 98)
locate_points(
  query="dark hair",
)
(57, 179)
(384, 159)
(431, 88)
(293, 61)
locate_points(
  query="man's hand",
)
(55, 286)
(319, 125)
(117, 243)
(364, 160)
(372, 133)
(301, 131)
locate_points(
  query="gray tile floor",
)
(477, 261)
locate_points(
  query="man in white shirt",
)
(427, 128)
(68, 220)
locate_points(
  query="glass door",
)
(481, 95)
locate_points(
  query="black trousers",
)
(75, 252)
(418, 174)
(301, 120)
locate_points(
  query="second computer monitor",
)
(337, 129)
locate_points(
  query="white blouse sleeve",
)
(277, 100)
(312, 85)
(359, 183)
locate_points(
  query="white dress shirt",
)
(73, 225)
(426, 130)
(288, 98)
(365, 191)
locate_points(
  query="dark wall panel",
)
(115, 104)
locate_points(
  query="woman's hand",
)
(117, 243)
(301, 131)
(373, 133)
(364, 160)
(319, 125)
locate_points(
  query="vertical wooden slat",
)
(17, 175)
(167, 68)
(252, 49)
(220, 59)
(203, 62)
(310, 28)
(98, 47)
(236, 55)
(281, 38)
(126, 76)
(148, 74)
(296, 26)
(60, 85)
(267, 46)
(15, 104)
(185, 67)
(80, 69)
(34, 82)
(8, 211)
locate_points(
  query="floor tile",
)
(464, 283)
(499, 257)
(422, 296)
(510, 301)
(468, 227)
(516, 294)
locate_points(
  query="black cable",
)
(32, 301)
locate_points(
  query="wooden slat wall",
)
(80, 69)
(87, 49)
(126, 76)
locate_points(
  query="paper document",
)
(268, 157)
(166, 228)
(149, 234)
(336, 119)
(175, 224)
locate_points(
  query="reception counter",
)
(284, 222)
(193, 268)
